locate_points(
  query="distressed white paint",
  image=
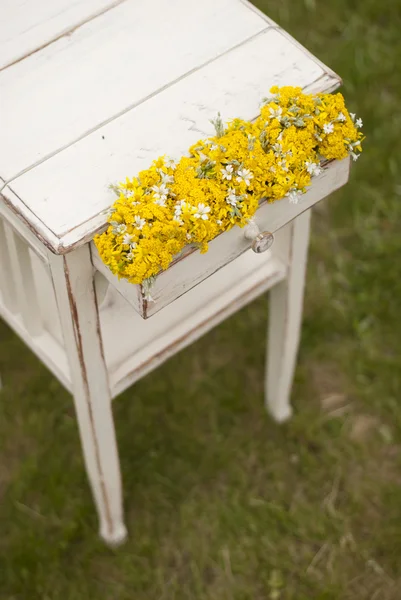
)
(22, 275)
(13, 210)
(48, 309)
(31, 24)
(67, 193)
(143, 345)
(7, 286)
(74, 288)
(44, 346)
(94, 106)
(107, 66)
(285, 315)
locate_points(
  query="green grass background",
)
(222, 503)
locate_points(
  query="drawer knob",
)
(262, 242)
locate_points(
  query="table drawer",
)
(191, 267)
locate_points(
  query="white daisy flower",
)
(170, 163)
(278, 149)
(313, 168)
(244, 175)
(189, 236)
(160, 202)
(160, 191)
(201, 212)
(359, 123)
(228, 172)
(352, 115)
(231, 198)
(219, 222)
(275, 113)
(120, 229)
(129, 256)
(166, 178)
(283, 165)
(127, 239)
(328, 128)
(294, 196)
(179, 206)
(354, 156)
(341, 117)
(214, 147)
(139, 223)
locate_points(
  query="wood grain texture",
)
(22, 275)
(68, 193)
(76, 300)
(107, 66)
(29, 25)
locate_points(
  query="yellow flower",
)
(223, 179)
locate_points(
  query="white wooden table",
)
(91, 92)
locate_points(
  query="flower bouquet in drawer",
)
(221, 181)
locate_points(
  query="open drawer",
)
(191, 267)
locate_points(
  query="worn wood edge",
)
(120, 285)
(259, 12)
(73, 301)
(277, 274)
(276, 26)
(15, 212)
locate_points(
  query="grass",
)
(221, 503)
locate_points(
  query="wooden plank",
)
(143, 345)
(285, 317)
(22, 272)
(47, 299)
(29, 25)
(74, 289)
(7, 285)
(107, 66)
(272, 23)
(69, 191)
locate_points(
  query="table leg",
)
(285, 318)
(73, 280)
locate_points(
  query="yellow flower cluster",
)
(222, 181)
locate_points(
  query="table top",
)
(92, 92)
